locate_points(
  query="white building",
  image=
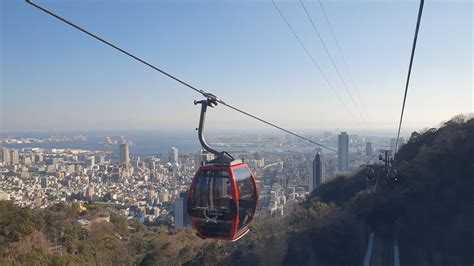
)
(174, 156)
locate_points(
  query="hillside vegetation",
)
(53, 237)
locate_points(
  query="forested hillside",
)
(54, 237)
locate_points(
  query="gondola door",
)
(247, 200)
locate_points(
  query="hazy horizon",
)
(406, 132)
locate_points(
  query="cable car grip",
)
(210, 101)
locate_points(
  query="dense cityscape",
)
(153, 189)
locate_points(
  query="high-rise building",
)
(15, 157)
(174, 155)
(343, 152)
(181, 216)
(124, 154)
(369, 149)
(317, 172)
(6, 159)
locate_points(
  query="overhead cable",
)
(203, 93)
(343, 58)
(313, 60)
(420, 12)
(315, 28)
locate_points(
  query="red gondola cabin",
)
(223, 195)
(222, 200)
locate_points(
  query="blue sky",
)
(55, 77)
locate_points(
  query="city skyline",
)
(91, 171)
(242, 73)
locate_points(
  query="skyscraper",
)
(343, 152)
(124, 154)
(317, 173)
(173, 155)
(6, 156)
(15, 157)
(369, 150)
(181, 217)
